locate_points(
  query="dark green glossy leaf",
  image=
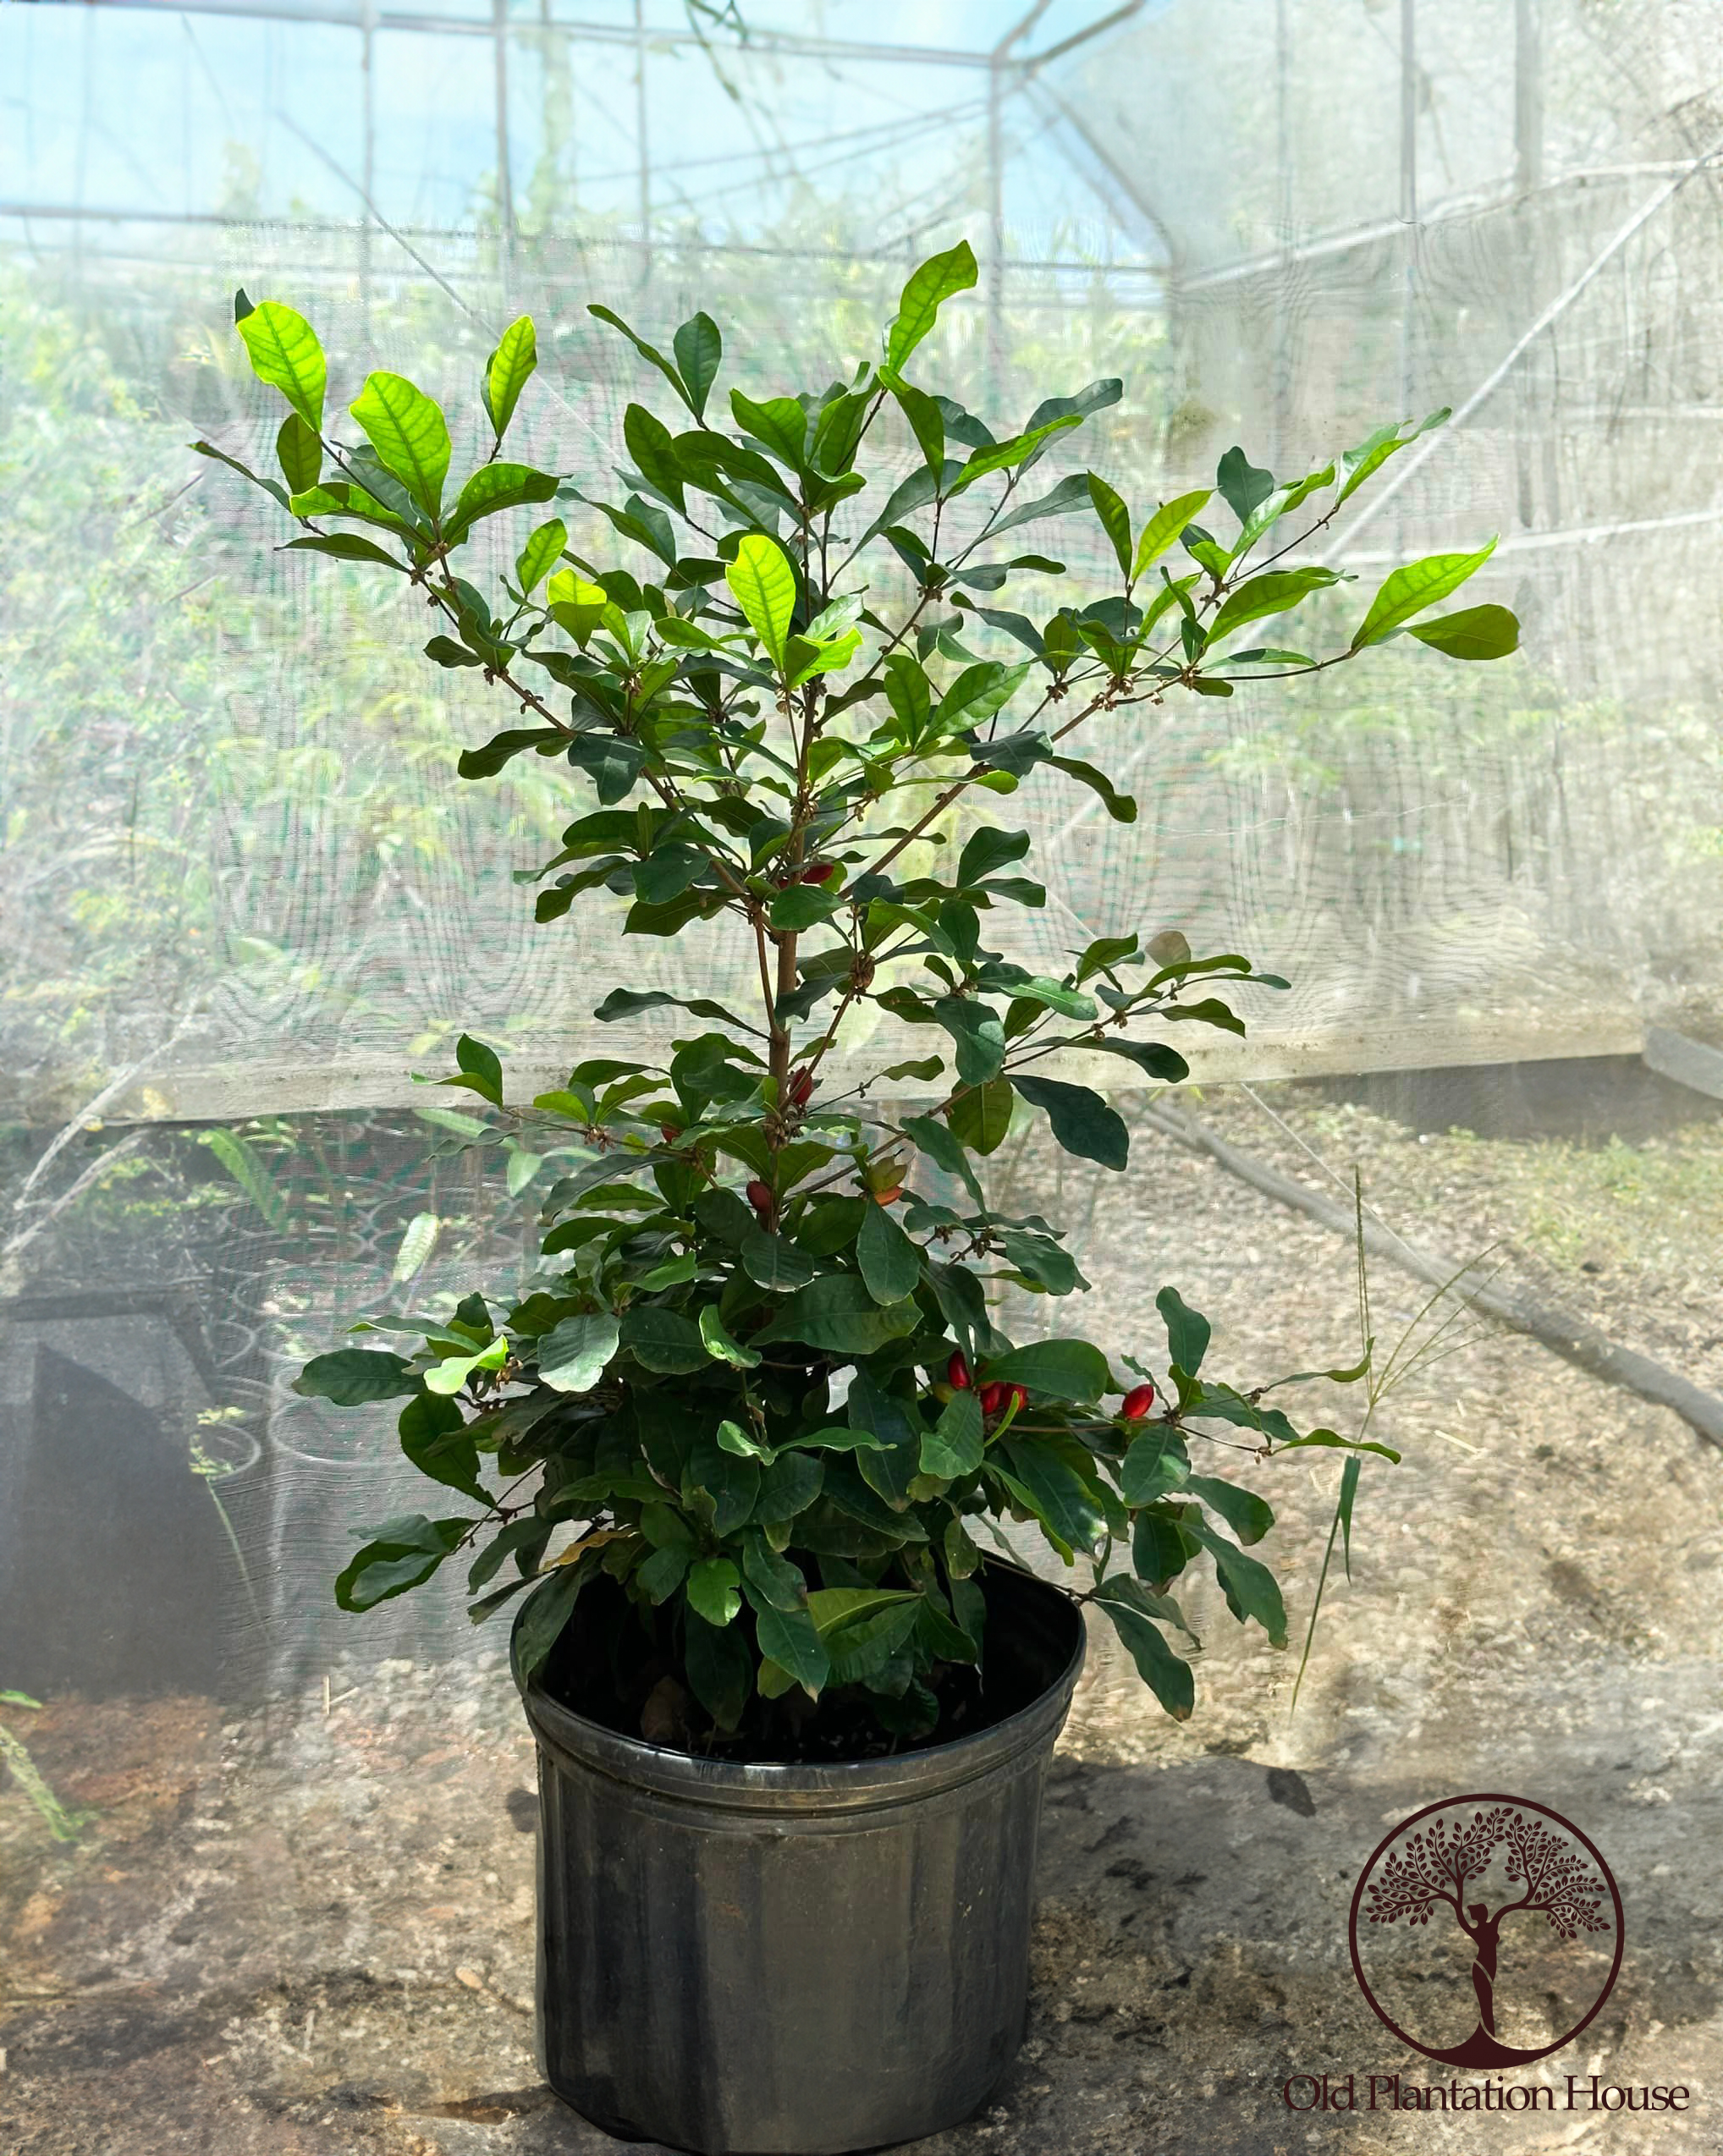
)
(1067, 1369)
(890, 1263)
(1248, 1516)
(1166, 1674)
(1082, 1123)
(1187, 1331)
(352, 1377)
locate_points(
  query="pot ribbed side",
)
(788, 1960)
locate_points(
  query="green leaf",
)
(1160, 1547)
(1121, 807)
(787, 1486)
(1063, 1501)
(1187, 1331)
(352, 1377)
(481, 1069)
(928, 289)
(1154, 1465)
(773, 1261)
(1249, 1516)
(1274, 591)
(1408, 590)
(764, 585)
(543, 1616)
(407, 432)
(927, 421)
(540, 555)
(1375, 450)
(1250, 1588)
(956, 1444)
(1071, 494)
(1241, 485)
(433, 1434)
(977, 1034)
(890, 1263)
(1082, 1123)
(837, 1311)
(1003, 456)
(1066, 1369)
(720, 1668)
(299, 454)
(1332, 1441)
(493, 488)
(405, 1554)
(1115, 519)
(347, 547)
(664, 1340)
(502, 748)
(943, 1150)
(1167, 1676)
(1349, 1491)
(648, 352)
(574, 1354)
(699, 348)
(714, 1589)
(779, 424)
(1476, 633)
(508, 370)
(628, 1003)
(284, 352)
(980, 1118)
(245, 1165)
(719, 1344)
(1164, 527)
(790, 1638)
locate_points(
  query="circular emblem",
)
(1486, 1931)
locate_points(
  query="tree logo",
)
(1434, 1905)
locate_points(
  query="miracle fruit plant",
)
(757, 1369)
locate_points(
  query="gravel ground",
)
(308, 1927)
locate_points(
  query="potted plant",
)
(738, 1445)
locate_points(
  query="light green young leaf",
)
(284, 352)
(1408, 590)
(508, 370)
(1475, 633)
(722, 1347)
(1165, 526)
(928, 289)
(407, 432)
(540, 554)
(764, 585)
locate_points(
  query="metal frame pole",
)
(505, 176)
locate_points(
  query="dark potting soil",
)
(615, 1665)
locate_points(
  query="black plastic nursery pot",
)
(796, 1961)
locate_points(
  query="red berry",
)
(669, 1133)
(1137, 1403)
(798, 1088)
(1019, 1396)
(762, 1200)
(957, 1372)
(992, 1399)
(822, 871)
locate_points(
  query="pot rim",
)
(844, 1785)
